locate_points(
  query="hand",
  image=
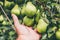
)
(24, 32)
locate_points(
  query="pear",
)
(37, 16)
(1, 18)
(1, 3)
(23, 10)
(58, 34)
(8, 4)
(5, 23)
(28, 21)
(30, 9)
(15, 10)
(41, 26)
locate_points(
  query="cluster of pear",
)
(31, 16)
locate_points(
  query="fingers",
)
(35, 30)
(20, 29)
(15, 19)
(16, 23)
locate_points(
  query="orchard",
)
(42, 15)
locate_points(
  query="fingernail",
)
(12, 14)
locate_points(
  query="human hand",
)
(24, 32)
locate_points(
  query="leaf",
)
(51, 31)
(44, 37)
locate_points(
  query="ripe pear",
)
(41, 26)
(30, 9)
(16, 10)
(28, 21)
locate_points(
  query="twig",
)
(7, 17)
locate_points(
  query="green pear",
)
(37, 16)
(11, 33)
(30, 9)
(58, 34)
(1, 18)
(41, 26)
(28, 21)
(5, 23)
(1, 3)
(16, 10)
(23, 10)
(8, 4)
